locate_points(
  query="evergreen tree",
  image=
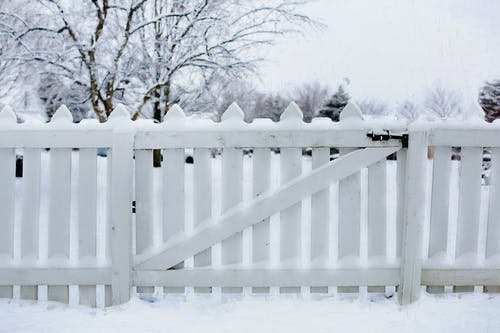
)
(489, 99)
(335, 104)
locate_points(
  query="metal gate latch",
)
(386, 135)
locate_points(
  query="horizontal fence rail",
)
(93, 212)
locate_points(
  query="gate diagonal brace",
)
(246, 214)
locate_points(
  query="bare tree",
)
(373, 107)
(310, 97)
(443, 103)
(409, 110)
(149, 53)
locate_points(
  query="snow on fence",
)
(261, 208)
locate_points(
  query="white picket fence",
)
(245, 217)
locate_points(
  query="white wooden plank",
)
(144, 205)
(174, 222)
(290, 218)
(377, 209)
(461, 277)
(247, 214)
(30, 214)
(209, 135)
(173, 192)
(320, 214)
(44, 135)
(400, 201)
(413, 219)
(270, 277)
(202, 201)
(87, 217)
(232, 194)
(493, 231)
(464, 136)
(7, 200)
(54, 276)
(121, 214)
(143, 199)
(59, 215)
(440, 201)
(469, 201)
(349, 214)
(261, 249)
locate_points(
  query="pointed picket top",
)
(120, 113)
(474, 113)
(62, 115)
(292, 112)
(7, 116)
(233, 112)
(351, 112)
(175, 113)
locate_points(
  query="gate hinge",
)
(386, 135)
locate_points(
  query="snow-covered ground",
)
(449, 313)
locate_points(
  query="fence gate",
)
(267, 240)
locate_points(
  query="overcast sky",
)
(392, 49)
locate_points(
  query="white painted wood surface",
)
(377, 210)
(291, 135)
(173, 192)
(413, 219)
(349, 214)
(202, 182)
(30, 213)
(247, 214)
(469, 201)
(143, 205)
(143, 200)
(320, 214)
(440, 201)
(261, 249)
(7, 200)
(59, 215)
(493, 229)
(121, 206)
(400, 200)
(87, 218)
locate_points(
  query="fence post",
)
(413, 218)
(121, 204)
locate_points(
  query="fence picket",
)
(59, 215)
(202, 201)
(469, 201)
(320, 219)
(377, 210)
(320, 214)
(30, 213)
(7, 198)
(261, 235)
(290, 240)
(493, 231)
(349, 214)
(400, 197)
(87, 217)
(173, 198)
(413, 218)
(440, 201)
(232, 193)
(144, 205)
